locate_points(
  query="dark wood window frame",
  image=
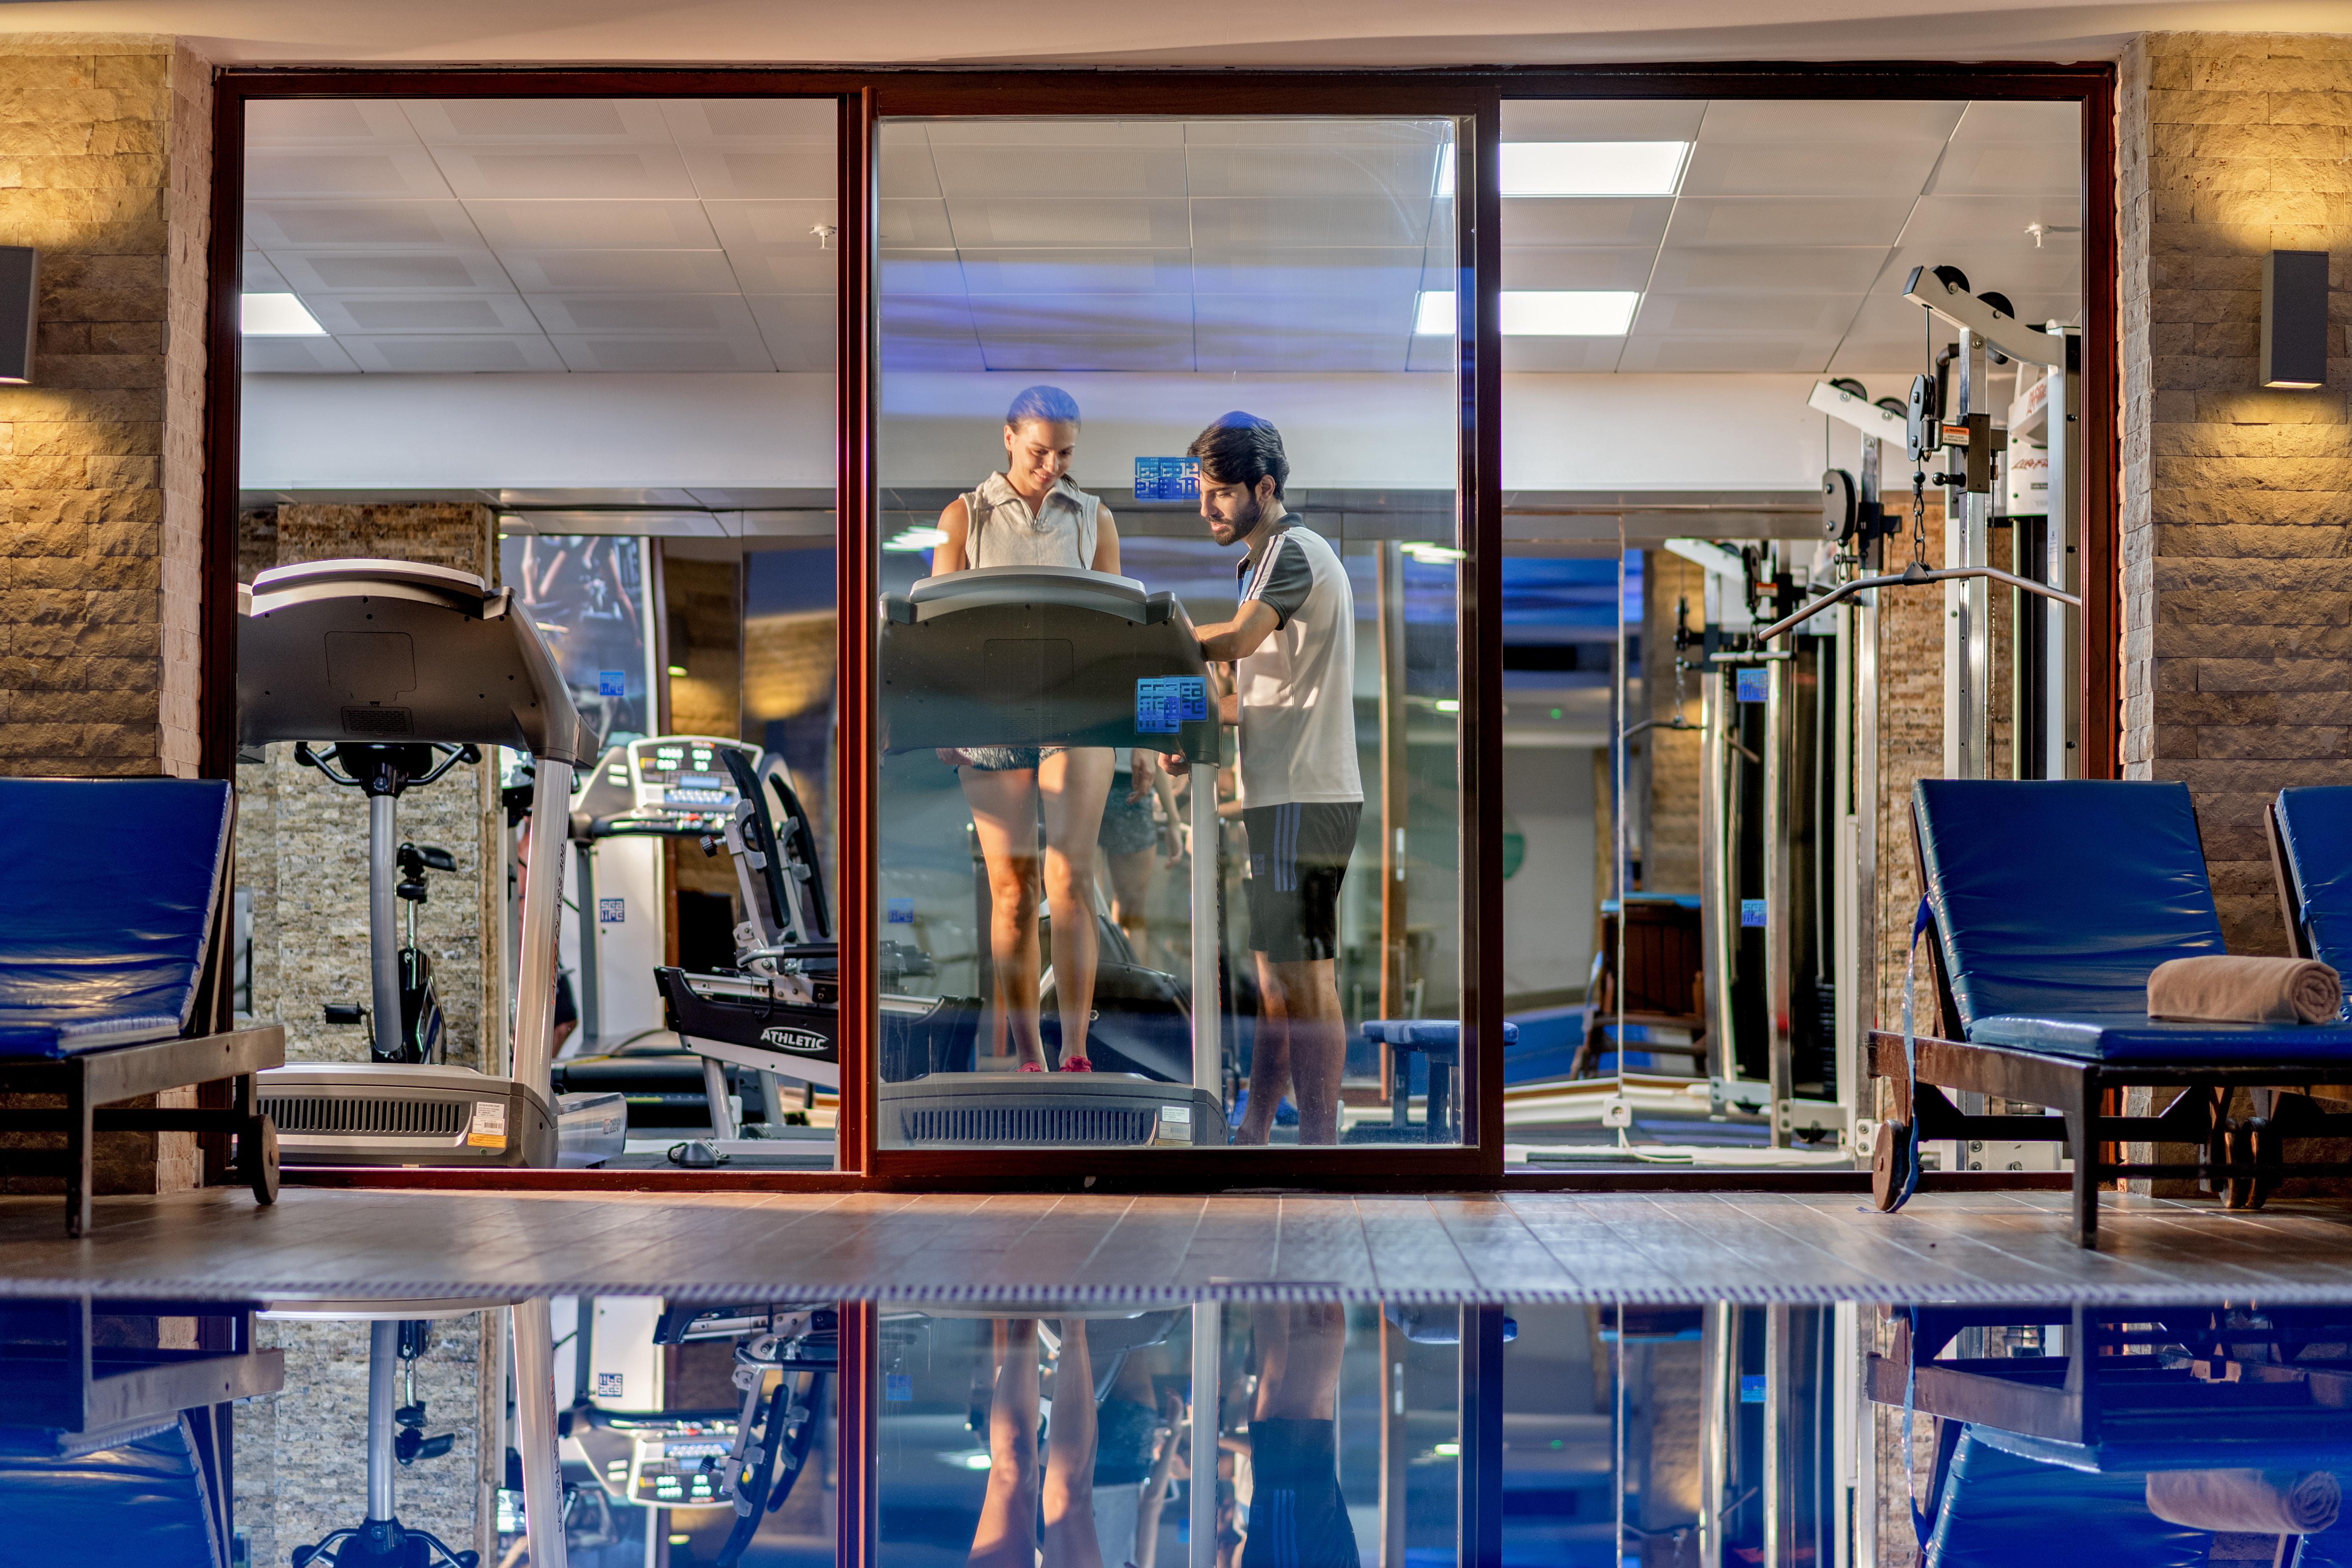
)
(1473, 98)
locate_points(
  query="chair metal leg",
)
(79, 1133)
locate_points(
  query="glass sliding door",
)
(1171, 783)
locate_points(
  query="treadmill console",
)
(664, 786)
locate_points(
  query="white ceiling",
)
(544, 234)
(635, 235)
(1797, 223)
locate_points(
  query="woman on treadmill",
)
(1030, 514)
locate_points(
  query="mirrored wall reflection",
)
(1171, 788)
(192, 1434)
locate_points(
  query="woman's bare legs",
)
(1069, 1494)
(1072, 786)
(1006, 1536)
(1005, 812)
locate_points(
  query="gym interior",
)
(1596, 803)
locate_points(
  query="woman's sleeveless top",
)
(1003, 532)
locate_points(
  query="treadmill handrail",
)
(308, 580)
(1072, 587)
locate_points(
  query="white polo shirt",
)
(1299, 690)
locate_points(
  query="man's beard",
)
(1246, 524)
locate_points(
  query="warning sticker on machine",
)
(1165, 703)
(489, 1128)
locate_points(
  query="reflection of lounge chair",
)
(1665, 980)
(2051, 904)
(114, 972)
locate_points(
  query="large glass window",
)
(1171, 784)
(538, 487)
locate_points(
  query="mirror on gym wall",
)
(1170, 786)
(537, 535)
(1754, 355)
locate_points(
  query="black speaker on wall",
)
(20, 287)
(2294, 319)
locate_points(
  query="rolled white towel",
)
(2246, 1503)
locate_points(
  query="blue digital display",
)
(1752, 684)
(895, 1386)
(1167, 479)
(900, 911)
(612, 683)
(1751, 913)
(1165, 703)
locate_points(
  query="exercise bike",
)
(403, 979)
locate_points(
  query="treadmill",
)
(387, 660)
(1046, 656)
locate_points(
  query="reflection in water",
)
(212, 1436)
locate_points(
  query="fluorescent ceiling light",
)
(908, 541)
(1592, 168)
(1568, 312)
(1540, 312)
(277, 316)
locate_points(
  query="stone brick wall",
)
(2237, 502)
(1671, 857)
(302, 842)
(105, 169)
(301, 1454)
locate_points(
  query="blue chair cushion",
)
(115, 882)
(2054, 898)
(2000, 1511)
(1439, 1034)
(143, 1503)
(2316, 828)
(2127, 1038)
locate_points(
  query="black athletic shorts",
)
(1296, 1517)
(1298, 857)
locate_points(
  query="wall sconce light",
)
(20, 291)
(2294, 319)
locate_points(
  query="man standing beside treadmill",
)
(1292, 642)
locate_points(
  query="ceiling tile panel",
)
(607, 175)
(1106, 351)
(1810, 168)
(1306, 132)
(2020, 120)
(798, 329)
(663, 355)
(1005, 315)
(798, 272)
(1066, 171)
(1800, 356)
(917, 272)
(296, 356)
(1788, 220)
(593, 225)
(1249, 224)
(1314, 271)
(539, 122)
(729, 173)
(989, 271)
(448, 354)
(1570, 267)
(1750, 270)
(1744, 315)
(1602, 120)
(906, 167)
(369, 226)
(2009, 168)
(257, 274)
(378, 173)
(913, 222)
(347, 314)
(667, 315)
(1405, 174)
(753, 123)
(1586, 220)
(1585, 355)
(1053, 221)
(790, 226)
(620, 272)
(1969, 220)
(325, 122)
(1861, 121)
(342, 272)
(1051, 131)
(1248, 352)
(1292, 316)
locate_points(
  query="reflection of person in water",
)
(1032, 515)
(1018, 1494)
(1296, 1517)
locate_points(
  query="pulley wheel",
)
(1952, 277)
(1851, 387)
(257, 1152)
(1838, 498)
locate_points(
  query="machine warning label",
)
(1166, 702)
(612, 1386)
(612, 912)
(489, 1128)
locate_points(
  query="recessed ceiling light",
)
(1592, 168)
(1540, 312)
(277, 316)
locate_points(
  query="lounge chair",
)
(2049, 904)
(114, 973)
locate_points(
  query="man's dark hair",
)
(1241, 448)
(1050, 404)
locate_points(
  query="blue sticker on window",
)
(1167, 479)
(901, 911)
(612, 912)
(1164, 703)
(1751, 912)
(898, 1386)
(1752, 684)
(612, 683)
(1751, 1388)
